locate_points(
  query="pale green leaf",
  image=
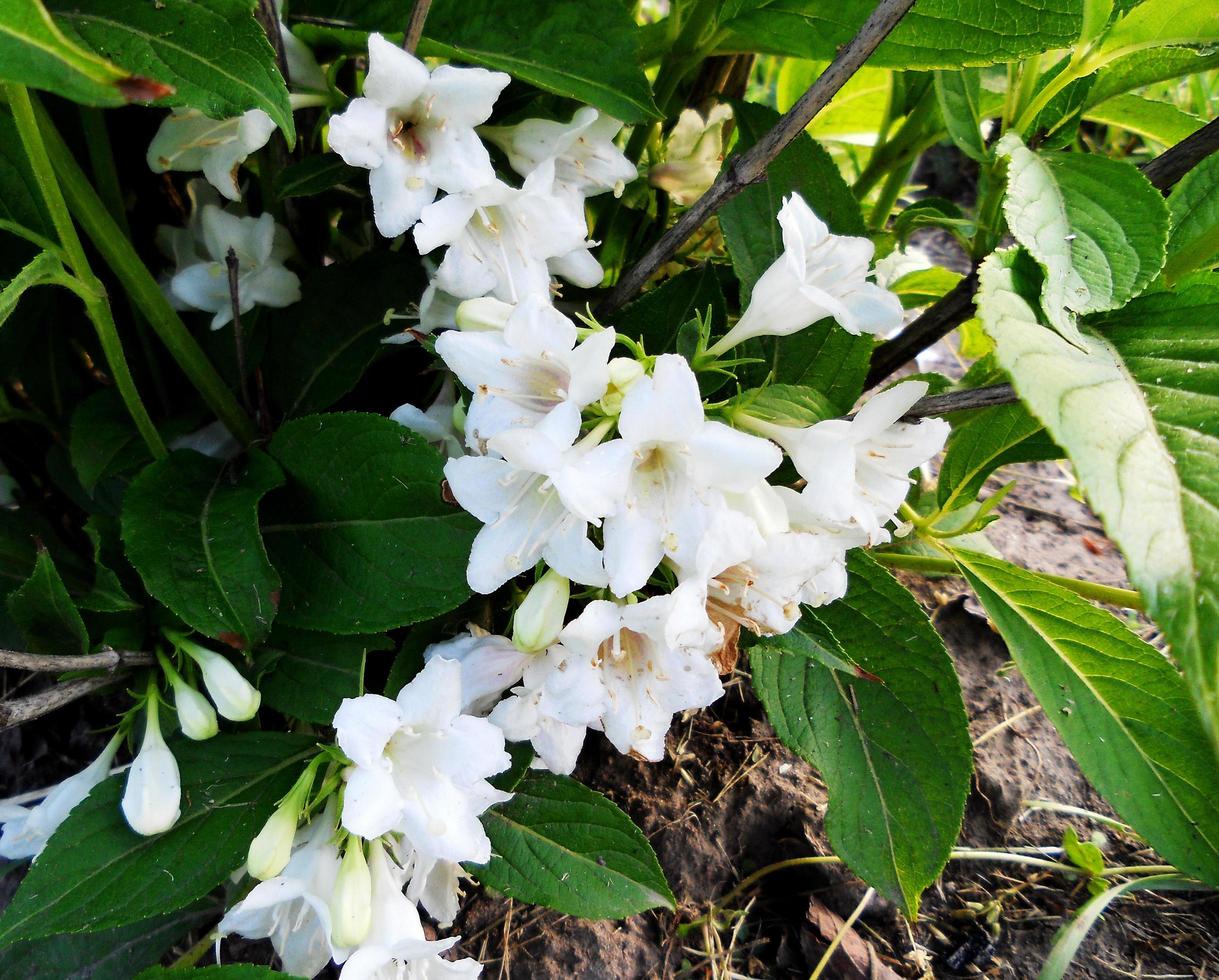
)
(1193, 242)
(1159, 121)
(855, 113)
(1159, 24)
(959, 94)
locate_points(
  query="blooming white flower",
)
(395, 947)
(537, 502)
(262, 280)
(153, 795)
(681, 463)
(500, 238)
(27, 829)
(213, 440)
(818, 275)
(586, 161)
(414, 131)
(694, 153)
(434, 884)
(490, 664)
(858, 470)
(235, 698)
(420, 766)
(292, 909)
(438, 422)
(520, 374)
(189, 140)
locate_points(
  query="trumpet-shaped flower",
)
(153, 795)
(501, 237)
(414, 131)
(189, 140)
(262, 280)
(818, 275)
(292, 909)
(434, 884)
(235, 698)
(681, 464)
(420, 766)
(438, 422)
(694, 153)
(520, 374)
(586, 161)
(27, 829)
(351, 900)
(395, 946)
(490, 664)
(537, 502)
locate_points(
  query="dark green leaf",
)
(190, 526)
(316, 672)
(43, 269)
(895, 754)
(44, 612)
(107, 594)
(361, 536)
(959, 94)
(103, 440)
(316, 174)
(560, 844)
(96, 873)
(233, 971)
(20, 199)
(655, 318)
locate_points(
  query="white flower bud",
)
(271, 849)
(623, 373)
(539, 619)
(351, 900)
(153, 796)
(484, 313)
(236, 698)
(196, 716)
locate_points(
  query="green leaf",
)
(1142, 68)
(20, 199)
(959, 94)
(103, 441)
(316, 671)
(1160, 121)
(924, 286)
(560, 844)
(1146, 453)
(107, 593)
(935, 34)
(1193, 242)
(190, 526)
(316, 174)
(44, 612)
(988, 439)
(112, 954)
(895, 754)
(1096, 226)
(96, 873)
(324, 343)
(1159, 24)
(790, 405)
(213, 52)
(233, 971)
(1122, 709)
(35, 52)
(655, 318)
(44, 269)
(855, 114)
(361, 536)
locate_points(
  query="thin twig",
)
(1178, 160)
(110, 660)
(231, 263)
(847, 926)
(938, 320)
(414, 26)
(961, 401)
(16, 711)
(267, 16)
(749, 167)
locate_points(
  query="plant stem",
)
(105, 660)
(1108, 594)
(414, 26)
(140, 285)
(98, 307)
(847, 924)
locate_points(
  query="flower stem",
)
(121, 256)
(1108, 594)
(97, 307)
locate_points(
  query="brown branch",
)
(749, 167)
(110, 660)
(938, 320)
(269, 20)
(414, 26)
(15, 711)
(230, 261)
(961, 401)
(1178, 160)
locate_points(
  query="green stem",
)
(889, 192)
(1032, 109)
(96, 307)
(1108, 594)
(141, 286)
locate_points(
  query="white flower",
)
(694, 152)
(420, 766)
(414, 131)
(153, 795)
(538, 500)
(291, 909)
(436, 885)
(818, 275)
(680, 465)
(490, 664)
(235, 698)
(438, 422)
(586, 161)
(27, 829)
(858, 470)
(395, 947)
(212, 440)
(520, 374)
(501, 237)
(262, 280)
(189, 140)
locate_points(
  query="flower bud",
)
(271, 849)
(484, 313)
(623, 373)
(153, 796)
(236, 698)
(196, 716)
(351, 900)
(539, 619)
